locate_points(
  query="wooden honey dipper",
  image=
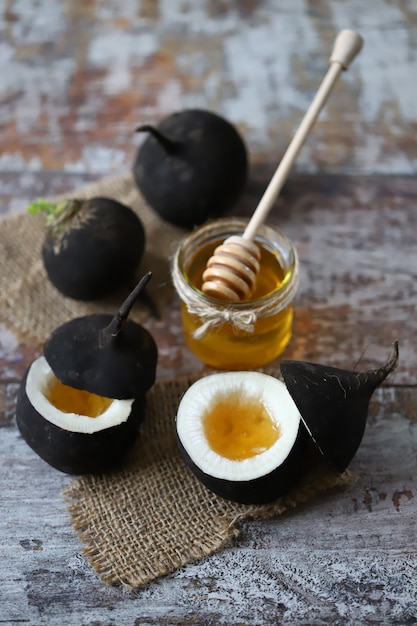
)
(232, 270)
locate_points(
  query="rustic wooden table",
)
(76, 79)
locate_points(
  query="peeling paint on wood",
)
(77, 81)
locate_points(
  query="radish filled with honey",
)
(246, 435)
(241, 434)
(81, 404)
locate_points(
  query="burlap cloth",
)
(152, 516)
(32, 307)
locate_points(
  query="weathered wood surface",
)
(76, 79)
(348, 557)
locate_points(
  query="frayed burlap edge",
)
(31, 307)
(152, 516)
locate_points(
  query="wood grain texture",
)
(346, 557)
(76, 79)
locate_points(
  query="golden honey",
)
(239, 428)
(270, 277)
(224, 345)
(71, 400)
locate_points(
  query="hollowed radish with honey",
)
(81, 403)
(245, 434)
(241, 435)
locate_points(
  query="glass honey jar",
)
(242, 335)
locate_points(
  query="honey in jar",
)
(242, 335)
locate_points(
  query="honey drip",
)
(239, 428)
(71, 400)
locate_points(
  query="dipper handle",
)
(231, 271)
(346, 47)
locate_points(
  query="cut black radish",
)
(241, 434)
(334, 403)
(81, 403)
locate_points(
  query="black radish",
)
(91, 247)
(334, 403)
(191, 167)
(81, 404)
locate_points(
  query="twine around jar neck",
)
(243, 315)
